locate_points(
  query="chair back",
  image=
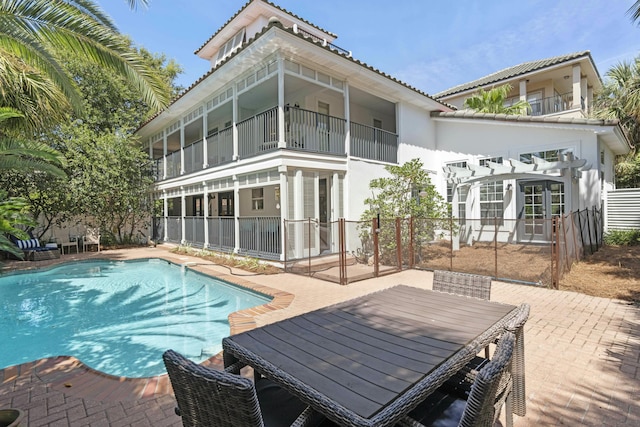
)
(471, 285)
(491, 386)
(207, 397)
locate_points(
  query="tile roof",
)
(470, 114)
(278, 24)
(270, 4)
(511, 72)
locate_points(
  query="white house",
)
(286, 125)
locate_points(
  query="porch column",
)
(164, 157)
(347, 117)
(165, 214)
(282, 143)
(183, 214)
(181, 148)
(205, 148)
(336, 203)
(455, 240)
(584, 97)
(205, 207)
(576, 87)
(236, 150)
(284, 209)
(236, 211)
(523, 89)
(298, 212)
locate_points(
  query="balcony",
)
(306, 131)
(552, 105)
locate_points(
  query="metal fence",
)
(532, 251)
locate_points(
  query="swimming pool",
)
(116, 316)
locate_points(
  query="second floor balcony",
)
(304, 131)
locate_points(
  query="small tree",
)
(493, 101)
(407, 193)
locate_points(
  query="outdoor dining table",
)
(370, 360)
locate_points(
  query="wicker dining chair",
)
(466, 284)
(460, 384)
(491, 389)
(470, 285)
(207, 397)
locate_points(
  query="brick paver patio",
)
(582, 355)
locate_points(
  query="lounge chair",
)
(33, 251)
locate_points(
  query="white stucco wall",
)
(472, 140)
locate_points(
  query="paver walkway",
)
(582, 356)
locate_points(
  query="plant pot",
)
(10, 417)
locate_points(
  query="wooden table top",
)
(365, 353)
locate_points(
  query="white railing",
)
(194, 230)
(222, 235)
(373, 143)
(220, 147)
(258, 134)
(174, 229)
(310, 131)
(260, 237)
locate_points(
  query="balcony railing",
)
(258, 134)
(310, 131)
(373, 143)
(174, 229)
(305, 130)
(552, 105)
(193, 157)
(220, 147)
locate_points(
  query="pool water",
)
(116, 316)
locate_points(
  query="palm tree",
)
(493, 101)
(34, 33)
(634, 11)
(21, 155)
(620, 99)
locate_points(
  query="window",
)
(549, 155)
(257, 199)
(225, 203)
(230, 46)
(462, 192)
(491, 198)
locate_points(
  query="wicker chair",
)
(460, 384)
(490, 390)
(207, 397)
(470, 285)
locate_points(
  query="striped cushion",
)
(28, 244)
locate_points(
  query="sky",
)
(430, 45)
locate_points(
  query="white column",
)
(236, 212)
(205, 206)
(164, 150)
(523, 90)
(284, 208)
(181, 149)
(576, 86)
(347, 116)
(282, 143)
(165, 220)
(183, 214)
(236, 152)
(298, 212)
(335, 209)
(205, 148)
(584, 94)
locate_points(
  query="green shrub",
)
(622, 237)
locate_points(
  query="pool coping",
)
(72, 377)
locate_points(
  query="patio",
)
(582, 355)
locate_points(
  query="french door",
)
(540, 202)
